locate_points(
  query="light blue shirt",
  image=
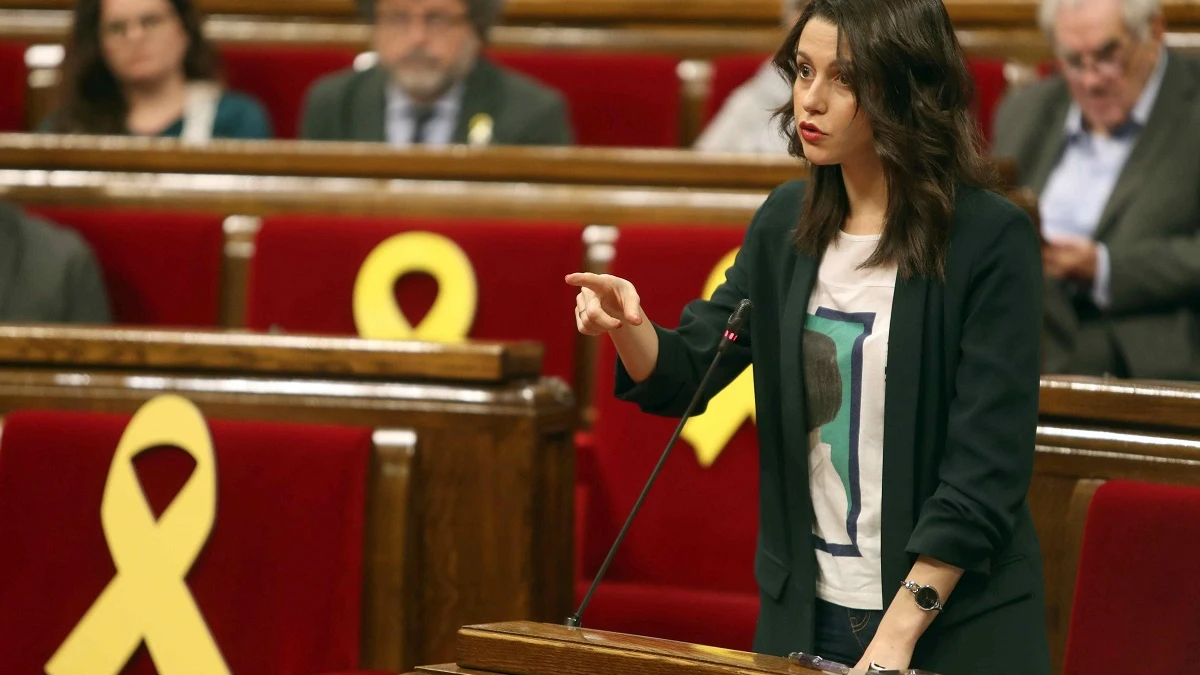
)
(401, 117)
(1079, 187)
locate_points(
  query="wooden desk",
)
(489, 533)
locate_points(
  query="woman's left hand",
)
(888, 654)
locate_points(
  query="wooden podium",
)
(529, 648)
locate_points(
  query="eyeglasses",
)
(1110, 60)
(147, 22)
(435, 23)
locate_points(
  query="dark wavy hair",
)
(908, 74)
(90, 99)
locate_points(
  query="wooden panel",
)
(389, 621)
(72, 346)
(585, 166)
(1165, 405)
(746, 12)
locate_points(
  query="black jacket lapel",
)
(479, 97)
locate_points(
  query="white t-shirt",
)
(845, 358)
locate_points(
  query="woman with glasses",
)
(142, 67)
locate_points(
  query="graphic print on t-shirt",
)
(833, 366)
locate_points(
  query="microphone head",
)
(740, 316)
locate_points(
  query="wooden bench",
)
(470, 489)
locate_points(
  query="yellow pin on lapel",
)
(479, 129)
(376, 315)
(149, 599)
(709, 433)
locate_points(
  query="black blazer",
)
(961, 411)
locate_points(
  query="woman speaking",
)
(895, 339)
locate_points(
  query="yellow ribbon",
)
(711, 432)
(149, 598)
(376, 314)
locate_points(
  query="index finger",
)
(592, 282)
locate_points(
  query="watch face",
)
(927, 597)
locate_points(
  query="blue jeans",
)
(843, 634)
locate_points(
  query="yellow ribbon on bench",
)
(376, 314)
(727, 411)
(149, 598)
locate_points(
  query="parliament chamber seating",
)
(160, 267)
(630, 100)
(1137, 597)
(466, 516)
(304, 271)
(685, 572)
(289, 506)
(280, 75)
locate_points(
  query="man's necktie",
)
(422, 116)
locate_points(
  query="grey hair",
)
(1139, 15)
(481, 14)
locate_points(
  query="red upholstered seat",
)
(12, 86)
(280, 76)
(278, 582)
(686, 569)
(304, 269)
(161, 268)
(629, 100)
(1137, 596)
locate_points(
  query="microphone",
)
(733, 329)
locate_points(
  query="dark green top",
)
(961, 408)
(238, 116)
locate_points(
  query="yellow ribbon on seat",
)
(149, 599)
(727, 411)
(376, 314)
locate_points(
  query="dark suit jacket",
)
(352, 106)
(47, 273)
(1151, 226)
(960, 415)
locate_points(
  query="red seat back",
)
(160, 268)
(990, 86)
(729, 73)
(12, 86)
(697, 528)
(278, 581)
(280, 76)
(304, 270)
(628, 100)
(1137, 595)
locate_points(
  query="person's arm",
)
(253, 122)
(316, 118)
(987, 463)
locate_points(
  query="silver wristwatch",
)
(926, 596)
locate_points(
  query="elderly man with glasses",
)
(432, 85)
(1111, 145)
